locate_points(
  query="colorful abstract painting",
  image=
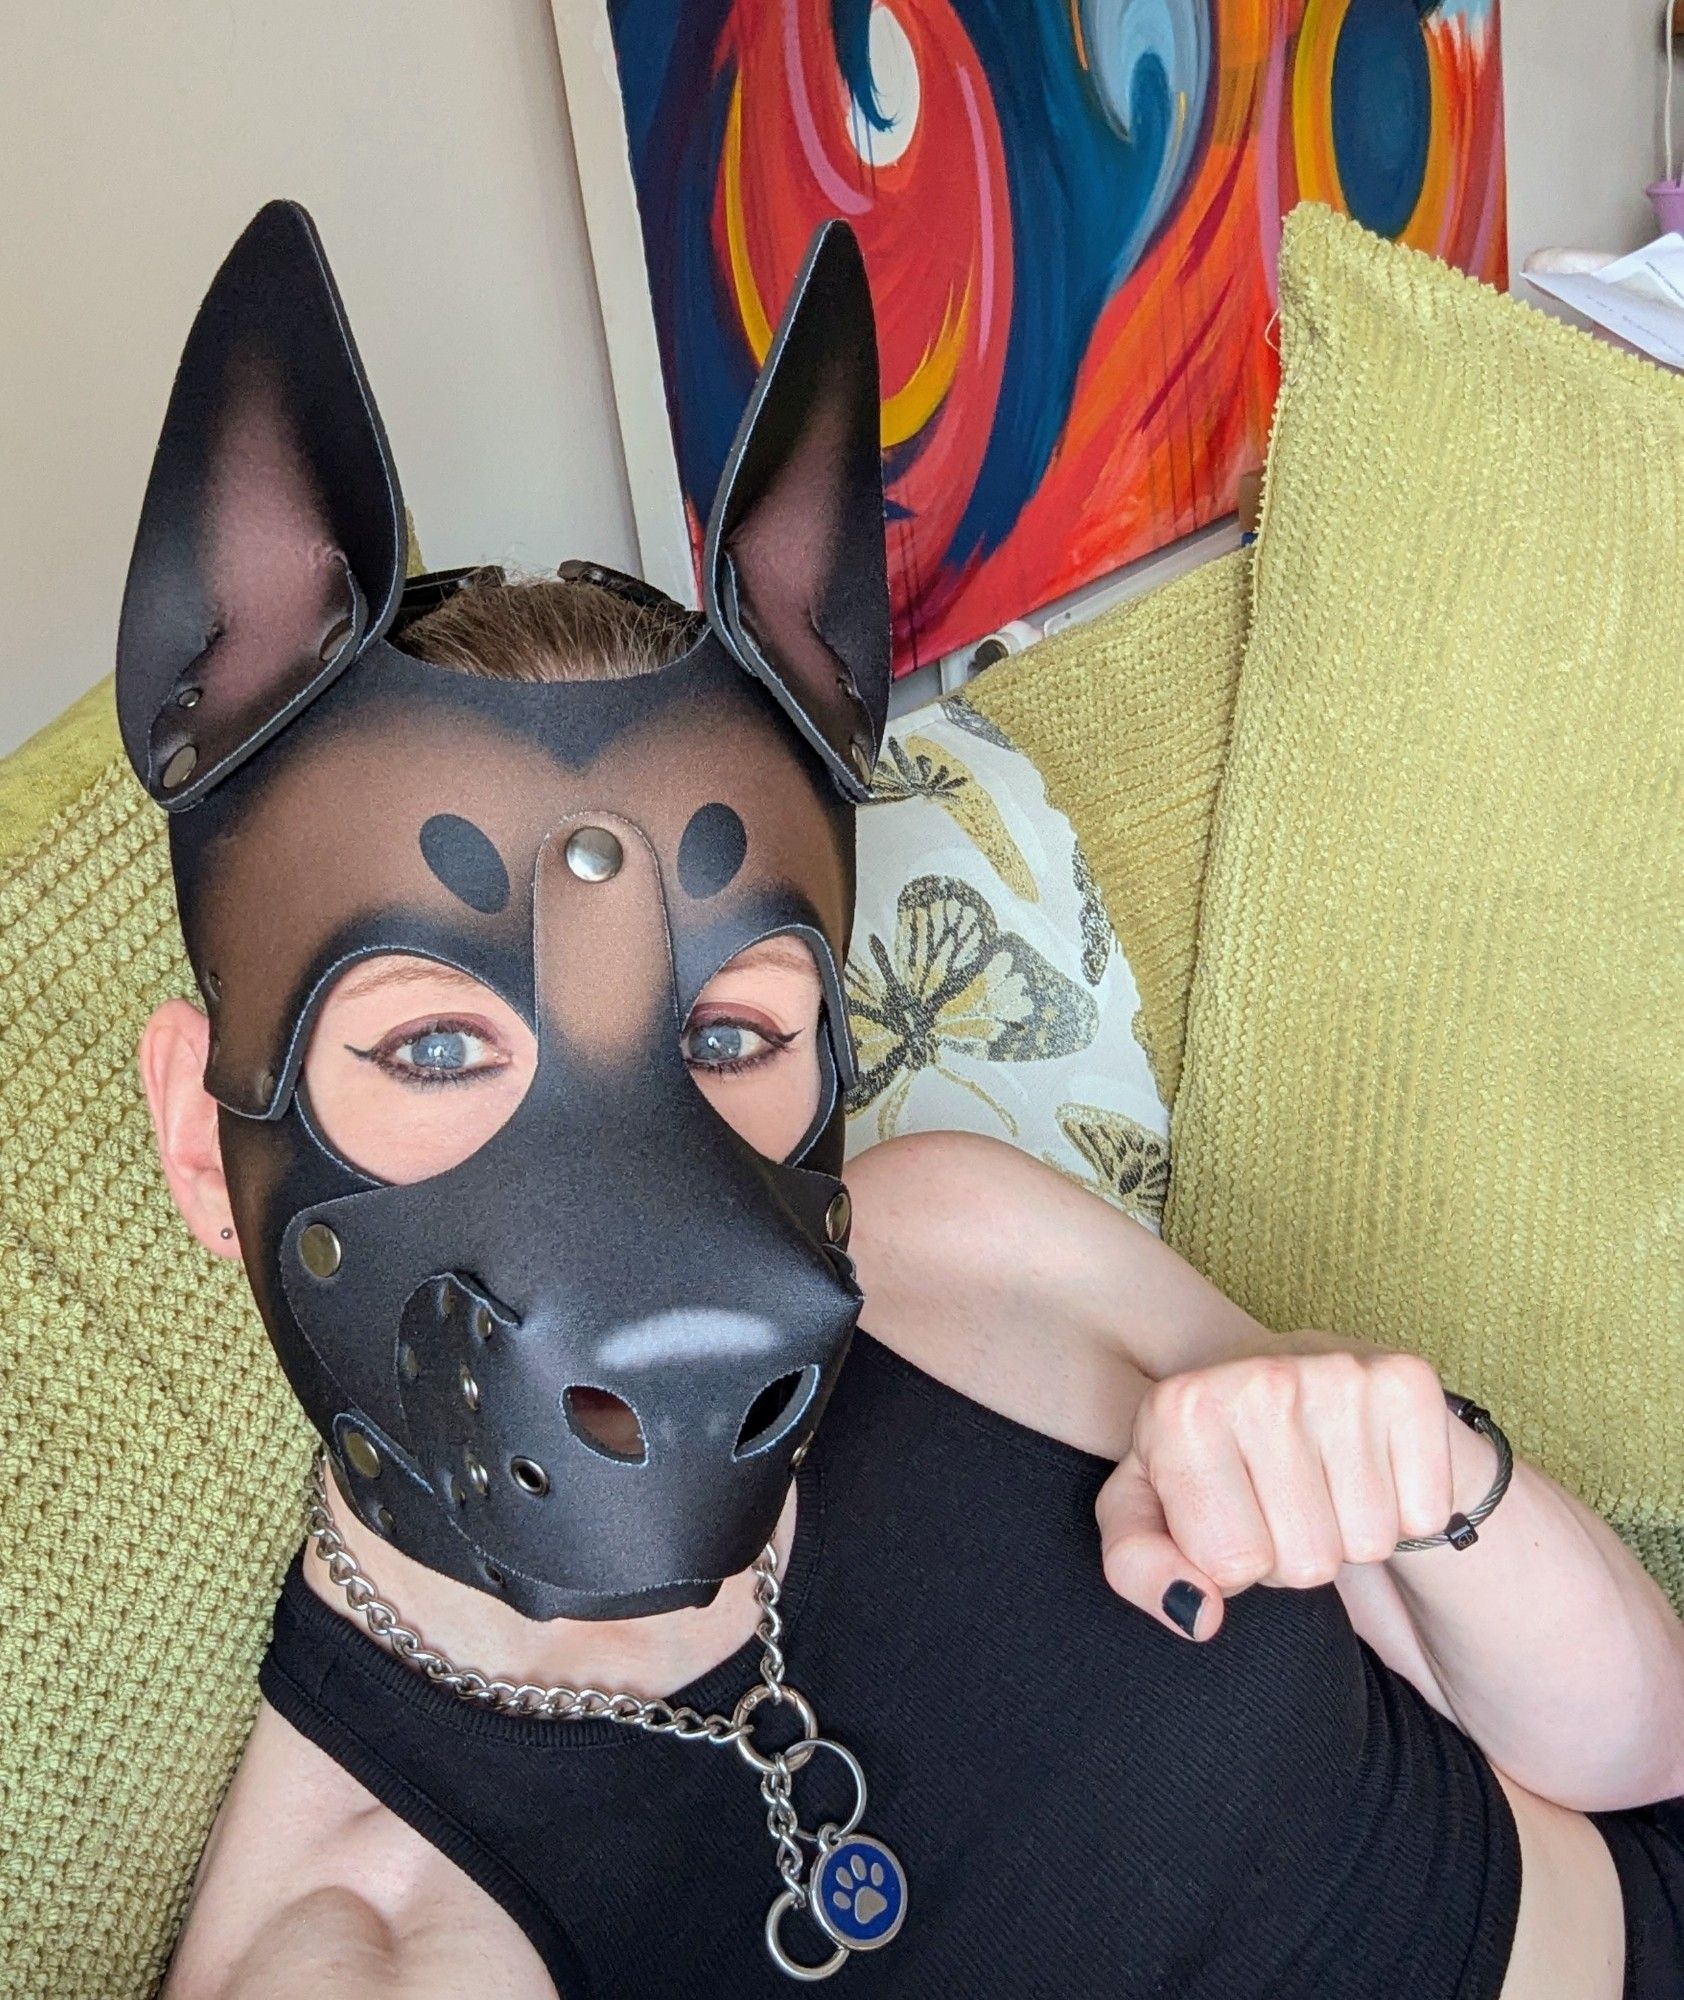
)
(1069, 211)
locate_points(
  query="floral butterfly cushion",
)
(987, 990)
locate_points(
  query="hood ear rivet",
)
(332, 639)
(384, 1521)
(483, 1322)
(594, 854)
(470, 1390)
(409, 1362)
(362, 1454)
(188, 697)
(838, 1216)
(180, 767)
(319, 1250)
(859, 755)
(213, 986)
(478, 1478)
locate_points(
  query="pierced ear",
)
(271, 541)
(794, 575)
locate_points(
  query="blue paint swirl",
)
(1382, 110)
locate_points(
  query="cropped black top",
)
(1084, 1803)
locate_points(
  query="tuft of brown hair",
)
(544, 629)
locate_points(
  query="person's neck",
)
(652, 1656)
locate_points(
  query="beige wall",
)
(1584, 85)
(431, 140)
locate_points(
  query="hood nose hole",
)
(775, 1410)
(605, 1422)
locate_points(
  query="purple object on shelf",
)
(1667, 199)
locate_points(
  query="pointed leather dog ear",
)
(794, 575)
(271, 540)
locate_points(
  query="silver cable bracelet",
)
(1462, 1530)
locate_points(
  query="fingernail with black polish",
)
(1182, 1604)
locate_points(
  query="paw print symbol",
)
(857, 1890)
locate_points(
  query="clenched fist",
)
(1276, 1469)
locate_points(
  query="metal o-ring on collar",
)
(781, 1958)
(762, 1692)
(831, 1834)
(830, 1837)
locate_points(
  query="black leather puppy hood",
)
(591, 851)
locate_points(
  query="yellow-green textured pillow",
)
(154, 1454)
(1127, 720)
(1433, 1090)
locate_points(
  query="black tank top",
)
(1084, 1803)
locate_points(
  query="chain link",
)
(559, 1703)
(654, 1716)
(783, 1823)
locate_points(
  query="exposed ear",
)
(173, 1048)
(794, 576)
(271, 540)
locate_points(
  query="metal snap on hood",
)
(591, 851)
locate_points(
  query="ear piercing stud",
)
(226, 1234)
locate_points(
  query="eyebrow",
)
(781, 949)
(778, 950)
(404, 974)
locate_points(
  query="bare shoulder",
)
(928, 1200)
(308, 1885)
(985, 1265)
(979, 1265)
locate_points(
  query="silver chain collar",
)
(854, 1887)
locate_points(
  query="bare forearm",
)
(1550, 1644)
(1555, 1650)
(1546, 1641)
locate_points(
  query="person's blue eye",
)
(725, 1047)
(443, 1052)
(440, 1048)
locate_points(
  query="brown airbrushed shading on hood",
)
(410, 814)
(591, 850)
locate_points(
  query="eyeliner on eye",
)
(425, 1076)
(775, 1041)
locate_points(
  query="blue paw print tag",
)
(857, 1892)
